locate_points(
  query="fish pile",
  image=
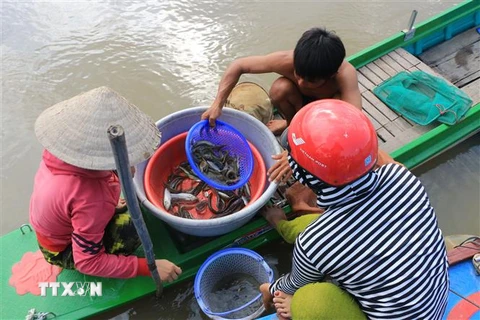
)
(235, 291)
(187, 196)
(215, 162)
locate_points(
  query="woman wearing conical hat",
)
(74, 207)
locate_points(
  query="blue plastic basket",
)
(234, 143)
(222, 264)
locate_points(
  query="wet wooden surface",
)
(458, 59)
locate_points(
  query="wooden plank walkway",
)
(457, 61)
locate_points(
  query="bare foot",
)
(302, 200)
(266, 295)
(121, 206)
(273, 215)
(277, 126)
(282, 303)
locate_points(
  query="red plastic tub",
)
(171, 154)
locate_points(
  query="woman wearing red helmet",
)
(378, 238)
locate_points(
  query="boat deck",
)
(456, 60)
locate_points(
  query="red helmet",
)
(333, 140)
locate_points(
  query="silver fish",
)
(187, 197)
(167, 199)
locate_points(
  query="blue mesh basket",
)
(234, 143)
(225, 263)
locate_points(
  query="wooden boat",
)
(450, 32)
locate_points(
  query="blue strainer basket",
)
(223, 264)
(234, 143)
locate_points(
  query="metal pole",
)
(117, 140)
(410, 31)
(412, 20)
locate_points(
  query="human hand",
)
(212, 114)
(280, 171)
(121, 206)
(132, 171)
(267, 297)
(168, 271)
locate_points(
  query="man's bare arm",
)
(348, 83)
(279, 62)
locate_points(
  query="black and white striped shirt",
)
(379, 239)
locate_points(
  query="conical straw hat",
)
(75, 130)
(252, 99)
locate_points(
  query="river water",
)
(165, 56)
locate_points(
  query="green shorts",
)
(289, 230)
(325, 301)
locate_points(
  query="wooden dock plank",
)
(418, 130)
(447, 49)
(392, 63)
(397, 127)
(393, 145)
(400, 60)
(410, 121)
(408, 56)
(468, 79)
(362, 88)
(393, 129)
(364, 81)
(407, 136)
(390, 146)
(462, 64)
(473, 90)
(376, 80)
(375, 123)
(385, 67)
(377, 115)
(427, 69)
(457, 59)
(385, 135)
(377, 70)
(381, 145)
(377, 103)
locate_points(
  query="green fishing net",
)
(423, 98)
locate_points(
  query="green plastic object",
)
(424, 98)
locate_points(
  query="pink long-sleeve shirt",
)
(71, 205)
